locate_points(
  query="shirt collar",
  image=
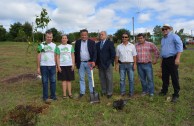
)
(84, 41)
(103, 40)
(140, 43)
(127, 43)
(168, 34)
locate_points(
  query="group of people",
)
(126, 58)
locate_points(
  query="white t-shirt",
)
(126, 52)
(47, 54)
(65, 54)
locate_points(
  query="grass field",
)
(139, 111)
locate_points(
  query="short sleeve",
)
(117, 51)
(134, 51)
(57, 50)
(72, 49)
(39, 48)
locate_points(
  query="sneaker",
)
(151, 97)
(54, 99)
(130, 95)
(143, 93)
(174, 99)
(48, 101)
(109, 96)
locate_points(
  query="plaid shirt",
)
(144, 52)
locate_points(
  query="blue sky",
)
(97, 15)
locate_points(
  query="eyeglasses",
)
(124, 37)
(163, 29)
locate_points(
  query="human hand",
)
(73, 67)
(59, 69)
(134, 66)
(116, 67)
(154, 61)
(38, 71)
(177, 61)
(91, 64)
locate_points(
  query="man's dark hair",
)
(83, 30)
(141, 34)
(126, 33)
(49, 32)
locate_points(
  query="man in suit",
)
(105, 61)
(85, 55)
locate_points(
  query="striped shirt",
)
(144, 52)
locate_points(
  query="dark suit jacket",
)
(106, 55)
(91, 50)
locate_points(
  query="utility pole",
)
(133, 29)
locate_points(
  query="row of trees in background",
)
(19, 32)
(24, 33)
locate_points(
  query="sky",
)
(102, 15)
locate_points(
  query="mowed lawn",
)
(139, 111)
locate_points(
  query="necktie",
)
(101, 44)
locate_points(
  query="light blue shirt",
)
(171, 45)
(84, 54)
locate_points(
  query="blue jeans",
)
(84, 67)
(123, 69)
(145, 72)
(48, 73)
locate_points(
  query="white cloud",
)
(71, 16)
(144, 30)
(18, 11)
(143, 17)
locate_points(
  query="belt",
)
(170, 57)
(126, 62)
(144, 63)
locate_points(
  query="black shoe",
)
(53, 98)
(162, 94)
(130, 96)
(122, 94)
(174, 99)
(103, 94)
(109, 96)
(80, 96)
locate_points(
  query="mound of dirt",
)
(13, 79)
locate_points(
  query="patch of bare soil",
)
(24, 115)
(13, 79)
